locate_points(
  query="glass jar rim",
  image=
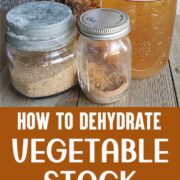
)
(38, 26)
(104, 23)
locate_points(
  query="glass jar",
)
(152, 23)
(40, 48)
(104, 55)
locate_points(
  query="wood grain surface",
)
(175, 59)
(160, 91)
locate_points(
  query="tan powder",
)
(43, 74)
(44, 81)
(105, 82)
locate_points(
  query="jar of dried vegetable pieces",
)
(40, 47)
(81, 6)
(104, 55)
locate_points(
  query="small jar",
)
(104, 55)
(41, 48)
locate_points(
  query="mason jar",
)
(152, 24)
(104, 55)
(41, 48)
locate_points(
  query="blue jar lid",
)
(40, 26)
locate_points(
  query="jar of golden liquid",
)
(152, 23)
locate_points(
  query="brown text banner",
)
(89, 143)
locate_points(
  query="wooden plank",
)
(2, 41)
(175, 58)
(68, 98)
(9, 97)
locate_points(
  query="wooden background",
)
(160, 91)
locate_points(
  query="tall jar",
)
(152, 23)
(40, 48)
(104, 55)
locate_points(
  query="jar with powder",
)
(40, 47)
(104, 55)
